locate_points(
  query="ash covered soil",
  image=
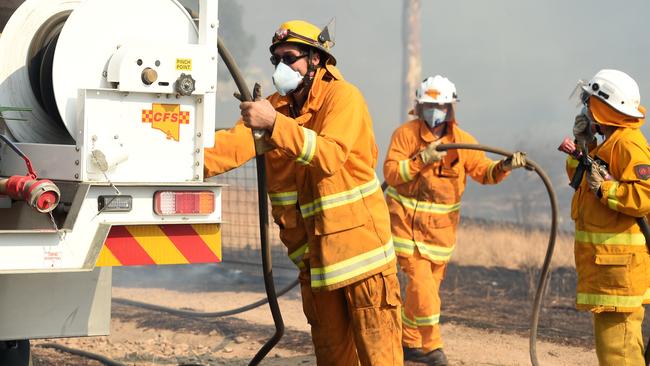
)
(485, 319)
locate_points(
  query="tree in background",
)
(411, 58)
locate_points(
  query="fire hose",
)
(177, 312)
(272, 296)
(200, 314)
(263, 207)
(543, 277)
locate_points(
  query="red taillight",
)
(183, 202)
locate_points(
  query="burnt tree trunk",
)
(411, 59)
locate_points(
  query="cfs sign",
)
(166, 118)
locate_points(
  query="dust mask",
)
(285, 79)
(434, 116)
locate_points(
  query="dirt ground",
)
(485, 321)
(487, 299)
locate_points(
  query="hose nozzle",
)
(568, 146)
(41, 194)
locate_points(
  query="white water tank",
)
(51, 49)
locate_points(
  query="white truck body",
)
(126, 140)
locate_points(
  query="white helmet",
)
(617, 89)
(437, 89)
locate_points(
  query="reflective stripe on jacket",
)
(327, 156)
(233, 148)
(332, 145)
(424, 200)
(611, 257)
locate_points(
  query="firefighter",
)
(424, 191)
(611, 253)
(324, 191)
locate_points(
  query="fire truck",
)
(107, 107)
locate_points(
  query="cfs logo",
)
(166, 118)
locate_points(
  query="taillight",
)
(183, 202)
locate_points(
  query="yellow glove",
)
(582, 129)
(430, 154)
(514, 161)
(595, 179)
(261, 138)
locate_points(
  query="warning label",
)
(184, 64)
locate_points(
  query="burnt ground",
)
(492, 299)
(499, 299)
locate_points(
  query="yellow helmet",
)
(299, 31)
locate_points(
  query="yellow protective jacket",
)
(233, 148)
(424, 200)
(611, 256)
(327, 186)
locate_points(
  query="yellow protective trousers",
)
(421, 312)
(619, 340)
(358, 324)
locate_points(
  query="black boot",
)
(413, 354)
(435, 358)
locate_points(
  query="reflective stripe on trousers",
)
(420, 321)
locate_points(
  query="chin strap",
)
(307, 80)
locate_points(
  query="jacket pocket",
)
(337, 209)
(595, 213)
(613, 270)
(341, 218)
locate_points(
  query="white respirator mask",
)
(285, 79)
(434, 116)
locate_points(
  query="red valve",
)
(43, 194)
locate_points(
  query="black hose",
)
(267, 266)
(93, 356)
(543, 277)
(200, 314)
(272, 296)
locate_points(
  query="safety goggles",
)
(287, 59)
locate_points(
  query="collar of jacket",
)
(428, 136)
(604, 150)
(315, 97)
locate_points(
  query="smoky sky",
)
(514, 62)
